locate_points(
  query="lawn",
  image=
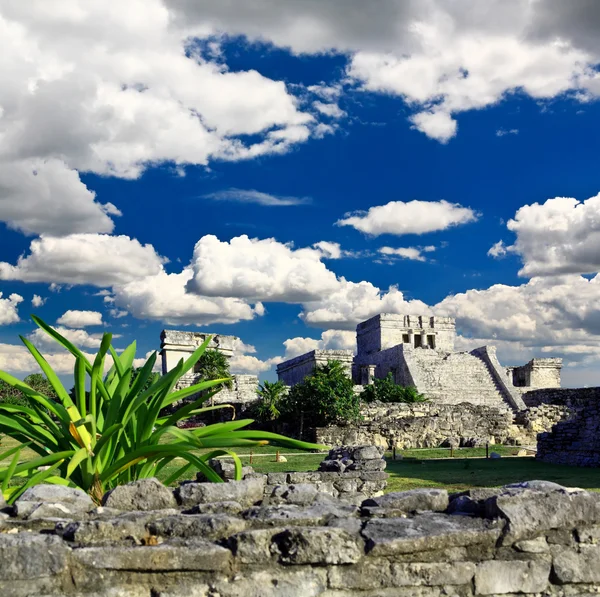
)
(419, 468)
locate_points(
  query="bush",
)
(325, 397)
(11, 395)
(115, 432)
(387, 390)
(268, 407)
(213, 364)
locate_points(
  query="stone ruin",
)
(231, 540)
(175, 345)
(419, 351)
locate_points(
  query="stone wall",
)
(426, 425)
(294, 370)
(225, 540)
(576, 440)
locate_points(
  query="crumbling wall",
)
(226, 540)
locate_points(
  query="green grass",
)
(419, 468)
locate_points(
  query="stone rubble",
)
(292, 540)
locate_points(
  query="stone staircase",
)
(451, 378)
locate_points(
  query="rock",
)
(391, 536)
(74, 499)
(513, 576)
(255, 546)
(537, 545)
(31, 556)
(302, 494)
(335, 466)
(573, 567)
(216, 508)
(318, 546)
(432, 574)
(450, 442)
(225, 470)
(277, 478)
(536, 486)
(367, 453)
(205, 526)
(522, 453)
(495, 455)
(246, 492)
(145, 494)
(531, 512)
(367, 465)
(47, 510)
(414, 500)
(197, 555)
(281, 459)
(292, 515)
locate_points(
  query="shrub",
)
(115, 433)
(269, 404)
(387, 390)
(12, 395)
(213, 364)
(325, 397)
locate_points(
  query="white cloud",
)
(354, 302)
(38, 301)
(498, 250)
(80, 319)
(560, 236)
(330, 340)
(412, 217)
(262, 270)
(163, 297)
(503, 132)
(80, 338)
(44, 196)
(96, 259)
(244, 363)
(411, 253)
(436, 124)
(252, 196)
(8, 308)
(117, 313)
(331, 110)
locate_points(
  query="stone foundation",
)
(225, 540)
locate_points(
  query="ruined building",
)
(419, 351)
(176, 345)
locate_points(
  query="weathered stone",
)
(433, 574)
(414, 500)
(29, 556)
(530, 512)
(427, 531)
(74, 499)
(255, 546)
(277, 478)
(537, 545)
(366, 574)
(102, 532)
(589, 534)
(367, 453)
(48, 510)
(205, 526)
(216, 508)
(197, 555)
(318, 546)
(290, 514)
(573, 567)
(145, 494)
(246, 492)
(499, 577)
(302, 494)
(367, 465)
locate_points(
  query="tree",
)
(214, 365)
(37, 381)
(325, 397)
(387, 390)
(269, 405)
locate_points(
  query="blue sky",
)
(224, 144)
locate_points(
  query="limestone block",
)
(75, 500)
(435, 500)
(246, 492)
(500, 577)
(31, 556)
(145, 494)
(433, 574)
(206, 526)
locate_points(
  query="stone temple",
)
(419, 351)
(176, 345)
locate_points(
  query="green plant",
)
(114, 433)
(213, 364)
(12, 395)
(270, 395)
(387, 390)
(324, 397)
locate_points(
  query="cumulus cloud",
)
(412, 217)
(259, 269)
(437, 124)
(38, 301)
(331, 110)
(560, 236)
(498, 250)
(354, 302)
(95, 259)
(329, 340)
(8, 308)
(163, 297)
(80, 319)
(81, 338)
(411, 253)
(252, 196)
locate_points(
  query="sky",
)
(281, 170)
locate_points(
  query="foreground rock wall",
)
(576, 440)
(426, 425)
(223, 540)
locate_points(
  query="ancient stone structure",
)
(227, 540)
(176, 345)
(419, 351)
(295, 370)
(575, 440)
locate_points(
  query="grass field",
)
(419, 468)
